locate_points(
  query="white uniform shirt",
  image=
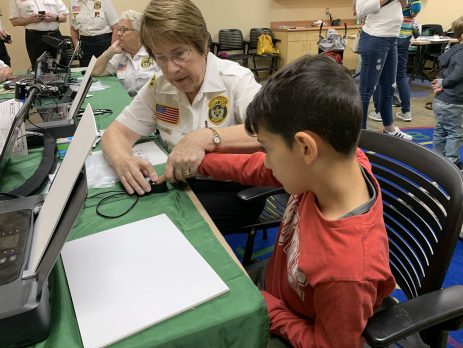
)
(222, 100)
(25, 8)
(2, 64)
(134, 72)
(93, 17)
(380, 21)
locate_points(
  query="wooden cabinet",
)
(294, 44)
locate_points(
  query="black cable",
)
(96, 112)
(12, 195)
(112, 196)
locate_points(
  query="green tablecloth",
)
(235, 319)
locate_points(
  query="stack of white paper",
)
(133, 276)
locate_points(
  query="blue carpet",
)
(263, 248)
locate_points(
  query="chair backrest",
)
(423, 209)
(254, 36)
(231, 39)
(431, 29)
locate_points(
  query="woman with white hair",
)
(127, 57)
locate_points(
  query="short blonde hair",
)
(457, 27)
(178, 21)
(133, 16)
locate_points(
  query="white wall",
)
(246, 14)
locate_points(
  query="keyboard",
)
(14, 229)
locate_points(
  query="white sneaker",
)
(375, 116)
(406, 116)
(399, 134)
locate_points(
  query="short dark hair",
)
(311, 94)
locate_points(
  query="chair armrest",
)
(255, 193)
(406, 318)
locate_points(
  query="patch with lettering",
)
(218, 109)
(146, 62)
(167, 114)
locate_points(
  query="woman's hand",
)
(132, 172)
(186, 156)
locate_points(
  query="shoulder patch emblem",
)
(218, 109)
(146, 62)
(152, 82)
(97, 5)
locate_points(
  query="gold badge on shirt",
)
(152, 82)
(146, 62)
(97, 5)
(218, 108)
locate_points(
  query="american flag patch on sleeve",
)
(167, 114)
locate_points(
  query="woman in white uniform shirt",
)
(196, 89)
(94, 23)
(46, 22)
(127, 58)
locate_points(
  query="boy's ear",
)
(307, 146)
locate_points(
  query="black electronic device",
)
(25, 311)
(6, 39)
(157, 187)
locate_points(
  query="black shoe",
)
(396, 101)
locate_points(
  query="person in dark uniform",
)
(39, 17)
(4, 38)
(94, 23)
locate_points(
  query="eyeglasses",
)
(124, 30)
(177, 58)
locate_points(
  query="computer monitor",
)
(83, 89)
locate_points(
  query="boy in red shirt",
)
(330, 265)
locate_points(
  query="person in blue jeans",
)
(448, 102)
(378, 50)
(403, 44)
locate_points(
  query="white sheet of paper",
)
(128, 278)
(61, 188)
(100, 174)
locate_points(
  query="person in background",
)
(4, 38)
(448, 102)
(378, 50)
(40, 18)
(197, 103)
(5, 71)
(329, 269)
(403, 44)
(127, 58)
(94, 23)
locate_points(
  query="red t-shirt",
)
(325, 278)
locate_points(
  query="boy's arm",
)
(246, 169)
(342, 311)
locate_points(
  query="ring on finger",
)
(187, 172)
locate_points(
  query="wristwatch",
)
(216, 140)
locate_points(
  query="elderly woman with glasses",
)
(198, 105)
(127, 57)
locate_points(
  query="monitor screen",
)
(83, 90)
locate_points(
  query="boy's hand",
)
(438, 90)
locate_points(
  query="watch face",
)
(216, 140)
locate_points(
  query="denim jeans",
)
(402, 81)
(403, 45)
(448, 135)
(379, 67)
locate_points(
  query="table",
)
(422, 42)
(237, 318)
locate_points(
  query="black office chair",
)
(275, 204)
(431, 53)
(210, 44)
(232, 46)
(268, 61)
(423, 210)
